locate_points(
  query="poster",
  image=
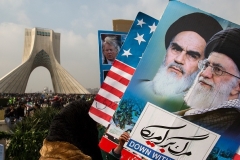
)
(110, 43)
(169, 93)
(154, 137)
(122, 69)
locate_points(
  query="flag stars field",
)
(127, 53)
(153, 28)
(122, 70)
(140, 22)
(139, 38)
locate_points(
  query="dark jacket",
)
(56, 104)
(75, 126)
(9, 113)
(19, 112)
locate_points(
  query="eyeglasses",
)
(216, 70)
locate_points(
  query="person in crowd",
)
(41, 101)
(45, 103)
(214, 97)
(110, 49)
(73, 134)
(56, 102)
(10, 116)
(33, 109)
(20, 111)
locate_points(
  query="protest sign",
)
(110, 43)
(167, 70)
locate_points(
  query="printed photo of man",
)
(185, 41)
(110, 49)
(214, 96)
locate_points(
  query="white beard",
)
(199, 97)
(168, 84)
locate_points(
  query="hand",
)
(122, 139)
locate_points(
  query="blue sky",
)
(78, 21)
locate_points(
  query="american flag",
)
(237, 155)
(122, 70)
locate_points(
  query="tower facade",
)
(41, 48)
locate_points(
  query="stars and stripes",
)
(110, 93)
(237, 155)
(127, 53)
(141, 22)
(139, 38)
(122, 70)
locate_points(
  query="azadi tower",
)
(41, 48)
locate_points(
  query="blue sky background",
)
(79, 22)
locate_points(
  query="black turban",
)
(206, 26)
(226, 42)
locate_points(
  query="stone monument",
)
(41, 48)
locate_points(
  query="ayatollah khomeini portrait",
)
(185, 41)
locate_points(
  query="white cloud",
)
(153, 8)
(23, 18)
(222, 8)
(79, 56)
(43, 78)
(11, 3)
(11, 40)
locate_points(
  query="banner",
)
(122, 70)
(154, 137)
(163, 77)
(110, 43)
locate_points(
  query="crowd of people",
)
(23, 105)
(42, 99)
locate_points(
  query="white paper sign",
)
(114, 131)
(161, 135)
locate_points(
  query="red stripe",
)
(236, 157)
(112, 90)
(106, 102)
(122, 66)
(100, 114)
(128, 155)
(118, 78)
(106, 145)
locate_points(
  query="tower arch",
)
(41, 48)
